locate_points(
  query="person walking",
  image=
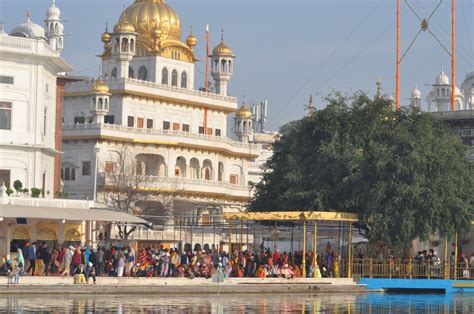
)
(100, 262)
(45, 257)
(20, 263)
(120, 264)
(31, 253)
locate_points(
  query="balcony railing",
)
(117, 81)
(400, 268)
(121, 128)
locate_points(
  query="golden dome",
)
(244, 113)
(106, 37)
(191, 41)
(222, 50)
(124, 26)
(99, 87)
(145, 15)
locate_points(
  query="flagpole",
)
(453, 55)
(397, 92)
(207, 77)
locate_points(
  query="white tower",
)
(222, 66)
(100, 98)
(243, 123)
(124, 41)
(415, 97)
(54, 28)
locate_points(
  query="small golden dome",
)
(191, 41)
(244, 113)
(106, 37)
(124, 26)
(222, 50)
(99, 87)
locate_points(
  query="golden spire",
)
(106, 37)
(191, 41)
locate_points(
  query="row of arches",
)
(124, 45)
(155, 165)
(177, 80)
(165, 80)
(223, 65)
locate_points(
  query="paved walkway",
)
(110, 285)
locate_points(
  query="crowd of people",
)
(83, 263)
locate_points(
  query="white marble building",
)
(145, 101)
(30, 61)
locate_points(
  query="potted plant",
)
(18, 186)
(35, 192)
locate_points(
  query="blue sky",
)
(286, 49)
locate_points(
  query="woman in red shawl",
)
(143, 259)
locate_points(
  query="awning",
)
(68, 214)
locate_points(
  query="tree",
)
(124, 185)
(405, 173)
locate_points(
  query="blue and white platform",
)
(418, 285)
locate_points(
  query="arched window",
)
(117, 45)
(184, 80)
(132, 45)
(230, 66)
(125, 45)
(143, 73)
(442, 92)
(174, 78)
(67, 174)
(56, 28)
(106, 104)
(164, 76)
(224, 66)
(130, 72)
(114, 73)
(73, 174)
(101, 102)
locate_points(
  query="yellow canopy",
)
(307, 215)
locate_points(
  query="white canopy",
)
(68, 214)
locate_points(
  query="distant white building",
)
(30, 61)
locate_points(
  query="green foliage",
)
(405, 174)
(35, 192)
(18, 185)
(63, 195)
(9, 191)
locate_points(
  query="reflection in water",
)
(312, 303)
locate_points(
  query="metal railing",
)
(410, 269)
(121, 128)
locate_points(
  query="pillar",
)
(303, 266)
(315, 245)
(456, 256)
(349, 252)
(446, 258)
(230, 240)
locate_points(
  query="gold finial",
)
(222, 35)
(191, 41)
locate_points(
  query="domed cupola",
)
(442, 78)
(28, 29)
(54, 27)
(53, 12)
(415, 97)
(243, 123)
(222, 66)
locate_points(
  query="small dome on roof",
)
(28, 29)
(415, 93)
(222, 49)
(99, 87)
(244, 113)
(53, 12)
(442, 78)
